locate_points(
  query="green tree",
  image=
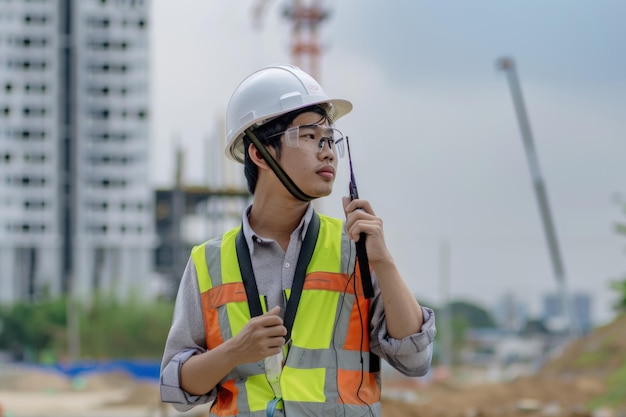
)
(464, 315)
(109, 328)
(130, 329)
(620, 288)
(30, 328)
(473, 315)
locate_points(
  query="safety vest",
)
(328, 369)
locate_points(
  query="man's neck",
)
(276, 218)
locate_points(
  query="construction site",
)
(584, 377)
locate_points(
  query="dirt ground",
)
(524, 396)
(36, 394)
(32, 393)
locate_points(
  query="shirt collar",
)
(252, 237)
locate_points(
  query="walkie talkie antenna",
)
(361, 253)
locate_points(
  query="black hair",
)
(267, 130)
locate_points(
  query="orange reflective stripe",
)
(356, 387)
(358, 337)
(211, 300)
(211, 323)
(331, 281)
(226, 401)
(227, 293)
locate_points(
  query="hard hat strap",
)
(280, 173)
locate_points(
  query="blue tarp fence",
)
(147, 370)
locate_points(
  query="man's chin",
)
(323, 193)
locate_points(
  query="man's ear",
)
(256, 157)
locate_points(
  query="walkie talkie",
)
(361, 253)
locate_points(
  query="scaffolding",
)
(187, 215)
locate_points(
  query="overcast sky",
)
(435, 140)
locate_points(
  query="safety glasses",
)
(313, 137)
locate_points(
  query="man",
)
(273, 317)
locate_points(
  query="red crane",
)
(305, 18)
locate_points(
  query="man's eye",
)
(308, 136)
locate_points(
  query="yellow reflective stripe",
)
(313, 327)
(306, 385)
(199, 260)
(229, 262)
(259, 392)
(327, 255)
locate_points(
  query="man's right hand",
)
(261, 337)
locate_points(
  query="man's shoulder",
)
(216, 241)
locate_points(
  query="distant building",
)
(511, 353)
(76, 206)
(510, 313)
(581, 304)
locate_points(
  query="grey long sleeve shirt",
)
(411, 355)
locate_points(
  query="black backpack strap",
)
(247, 274)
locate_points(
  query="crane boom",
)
(508, 66)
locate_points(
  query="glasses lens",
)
(315, 137)
(339, 145)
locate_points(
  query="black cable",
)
(352, 278)
(343, 298)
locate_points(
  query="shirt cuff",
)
(171, 392)
(411, 355)
(417, 342)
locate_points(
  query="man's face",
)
(311, 167)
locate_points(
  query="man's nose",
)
(328, 147)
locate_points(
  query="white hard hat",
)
(269, 93)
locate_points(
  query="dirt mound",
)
(598, 353)
(38, 380)
(140, 395)
(34, 380)
(546, 396)
(99, 381)
(85, 392)
(564, 387)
